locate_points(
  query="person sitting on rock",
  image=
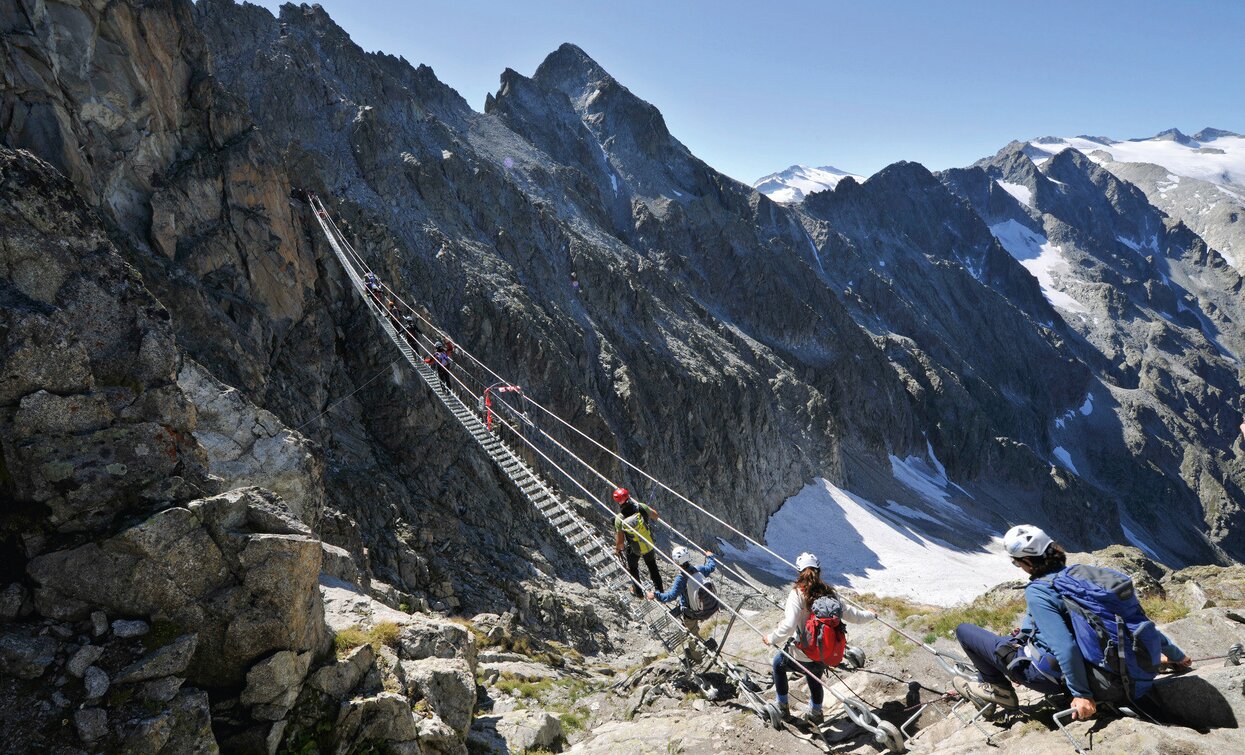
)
(1043, 655)
(695, 594)
(808, 588)
(634, 540)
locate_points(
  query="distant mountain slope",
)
(798, 181)
(1198, 179)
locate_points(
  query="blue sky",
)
(752, 89)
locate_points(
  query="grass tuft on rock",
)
(1163, 611)
(383, 634)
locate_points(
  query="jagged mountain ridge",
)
(732, 344)
(639, 194)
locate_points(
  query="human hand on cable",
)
(1083, 708)
(765, 639)
(709, 554)
(1186, 662)
(650, 595)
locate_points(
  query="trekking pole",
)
(1232, 658)
(1076, 743)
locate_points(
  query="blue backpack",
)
(1121, 645)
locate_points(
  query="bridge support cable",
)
(953, 664)
(560, 513)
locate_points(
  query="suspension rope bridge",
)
(514, 458)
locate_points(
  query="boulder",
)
(162, 690)
(386, 717)
(425, 636)
(96, 682)
(273, 684)
(1209, 585)
(91, 723)
(184, 726)
(449, 687)
(516, 731)
(126, 629)
(1147, 574)
(43, 412)
(85, 656)
(437, 737)
(12, 598)
(346, 605)
(342, 675)
(238, 569)
(26, 657)
(1205, 633)
(250, 446)
(171, 659)
(337, 563)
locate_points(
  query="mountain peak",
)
(570, 62)
(1209, 134)
(1173, 135)
(798, 181)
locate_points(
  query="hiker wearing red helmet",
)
(633, 538)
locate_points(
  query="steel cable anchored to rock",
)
(884, 732)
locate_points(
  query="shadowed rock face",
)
(1157, 316)
(95, 427)
(734, 346)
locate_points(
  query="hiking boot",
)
(711, 643)
(784, 710)
(814, 717)
(984, 693)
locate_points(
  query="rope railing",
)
(856, 709)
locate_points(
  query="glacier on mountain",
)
(798, 181)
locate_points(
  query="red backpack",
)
(823, 638)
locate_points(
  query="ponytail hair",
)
(811, 587)
(1054, 559)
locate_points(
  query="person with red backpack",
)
(1084, 633)
(814, 615)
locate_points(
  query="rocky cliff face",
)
(1154, 311)
(913, 323)
(205, 442)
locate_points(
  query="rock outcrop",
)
(231, 522)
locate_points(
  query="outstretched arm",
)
(1046, 608)
(673, 592)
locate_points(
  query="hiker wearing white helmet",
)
(813, 616)
(1044, 654)
(694, 591)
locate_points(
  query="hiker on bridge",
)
(1068, 641)
(634, 540)
(693, 589)
(441, 361)
(814, 616)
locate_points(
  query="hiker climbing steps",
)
(509, 440)
(573, 528)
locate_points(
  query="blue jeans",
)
(783, 664)
(984, 647)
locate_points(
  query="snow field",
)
(1041, 258)
(877, 549)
